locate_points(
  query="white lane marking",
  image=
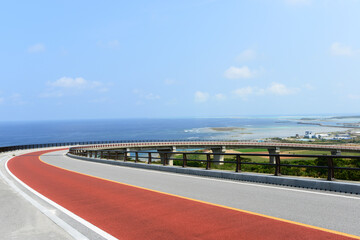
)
(230, 181)
(64, 210)
(49, 213)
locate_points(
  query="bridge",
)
(215, 145)
(101, 201)
(220, 147)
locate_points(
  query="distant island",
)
(226, 129)
(311, 121)
(344, 117)
(338, 117)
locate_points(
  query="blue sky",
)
(198, 58)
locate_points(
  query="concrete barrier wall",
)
(345, 187)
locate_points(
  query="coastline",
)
(18, 133)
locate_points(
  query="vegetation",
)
(253, 150)
(199, 161)
(353, 175)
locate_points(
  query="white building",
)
(322, 135)
(309, 134)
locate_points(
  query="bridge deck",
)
(227, 144)
(131, 212)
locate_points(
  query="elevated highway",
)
(143, 145)
(129, 203)
(220, 147)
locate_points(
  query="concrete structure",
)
(219, 147)
(122, 155)
(164, 155)
(274, 150)
(219, 159)
(336, 152)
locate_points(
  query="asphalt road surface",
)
(328, 210)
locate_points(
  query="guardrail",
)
(138, 156)
(217, 143)
(65, 144)
(149, 156)
(46, 145)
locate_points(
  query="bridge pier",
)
(219, 158)
(121, 155)
(336, 152)
(274, 150)
(162, 155)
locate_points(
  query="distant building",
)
(342, 136)
(308, 134)
(326, 136)
(322, 135)
(305, 140)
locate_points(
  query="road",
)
(182, 204)
(20, 218)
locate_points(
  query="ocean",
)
(19, 133)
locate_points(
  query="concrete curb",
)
(345, 187)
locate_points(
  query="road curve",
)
(180, 207)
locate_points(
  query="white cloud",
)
(309, 86)
(244, 92)
(72, 86)
(281, 89)
(171, 102)
(247, 91)
(16, 99)
(151, 96)
(354, 96)
(145, 96)
(337, 49)
(103, 89)
(237, 73)
(246, 55)
(64, 52)
(100, 100)
(79, 83)
(112, 44)
(201, 97)
(169, 81)
(220, 96)
(51, 93)
(298, 2)
(36, 48)
(274, 89)
(136, 91)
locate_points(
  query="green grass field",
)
(195, 160)
(293, 171)
(246, 150)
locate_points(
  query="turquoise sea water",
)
(18, 133)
